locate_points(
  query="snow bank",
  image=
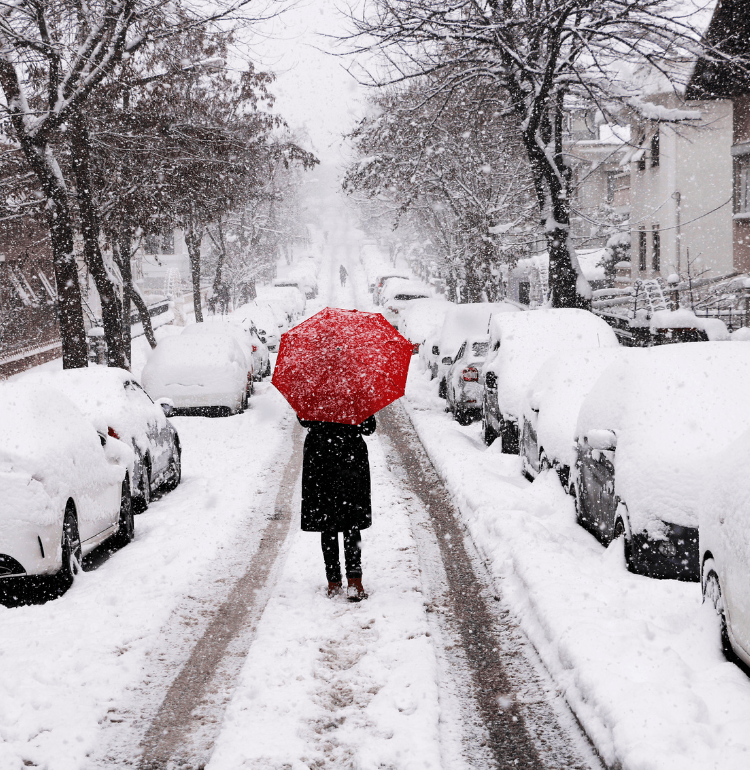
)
(557, 392)
(521, 342)
(671, 407)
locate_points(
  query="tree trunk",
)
(193, 237)
(111, 310)
(148, 328)
(121, 246)
(69, 304)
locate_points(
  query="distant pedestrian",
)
(343, 274)
(336, 497)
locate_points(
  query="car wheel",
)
(488, 435)
(126, 525)
(620, 531)
(174, 471)
(462, 417)
(443, 389)
(267, 372)
(544, 463)
(142, 501)
(72, 554)
(712, 593)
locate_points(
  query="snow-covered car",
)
(261, 315)
(396, 296)
(224, 325)
(289, 298)
(470, 319)
(645, 436)
(550, 412)
(64, 489)
(301, 277)
(421, 320)
(113, 397)
(261, 358)
(380, 281)
(724, 544)
(199, 372)
(463, 392)
(519, 344)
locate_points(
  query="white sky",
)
(314, 92)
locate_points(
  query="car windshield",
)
(480, 348)
(410, 296)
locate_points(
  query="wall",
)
(696, 161)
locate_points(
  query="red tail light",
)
(414, 348)
(113, 433)
(393, 310)
(471, 374)
(255, 348)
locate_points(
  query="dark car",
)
(644, 431)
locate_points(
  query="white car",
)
(463, 393)
(289, 298)
(519, 344)
(550, 411)
(724, 544)
(64, 489)
(204, 373)
(113, 397)
(421, 320)
(396, 296)
(470, 319)
(223, 325)
(380, 282)
(265, 320)
(645, 437)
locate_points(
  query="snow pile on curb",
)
(638, 660)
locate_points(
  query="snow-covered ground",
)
(328, 684)
(638, 660)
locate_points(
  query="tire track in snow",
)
(181, 718)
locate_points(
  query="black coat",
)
(336, 476)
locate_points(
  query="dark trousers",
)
(352, 554)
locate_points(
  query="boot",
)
(334, 589)
(355, 592)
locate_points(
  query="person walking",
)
(336, 496)
(343, 274)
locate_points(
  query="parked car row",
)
(81, 451)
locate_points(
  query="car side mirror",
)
(604, 440)
(490, 380)
(447, 360)
(435, 350)
(167, 406)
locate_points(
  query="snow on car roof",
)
(100, 394)
(467, 319)
(45, 437)
(423, 317)
(405, 286)
(222, 325)
(672, 407)
(557, 391)
(528, 339)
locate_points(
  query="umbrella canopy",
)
(342, 366)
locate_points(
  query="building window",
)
(742, 184)
(167, 243)
(642, 249)
(151, 244)
(655, 149)
(656, 249)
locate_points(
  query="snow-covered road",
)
(210, 642)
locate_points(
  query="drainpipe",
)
(677, 199)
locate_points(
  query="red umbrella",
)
(342, 366)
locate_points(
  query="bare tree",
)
(541, 57)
